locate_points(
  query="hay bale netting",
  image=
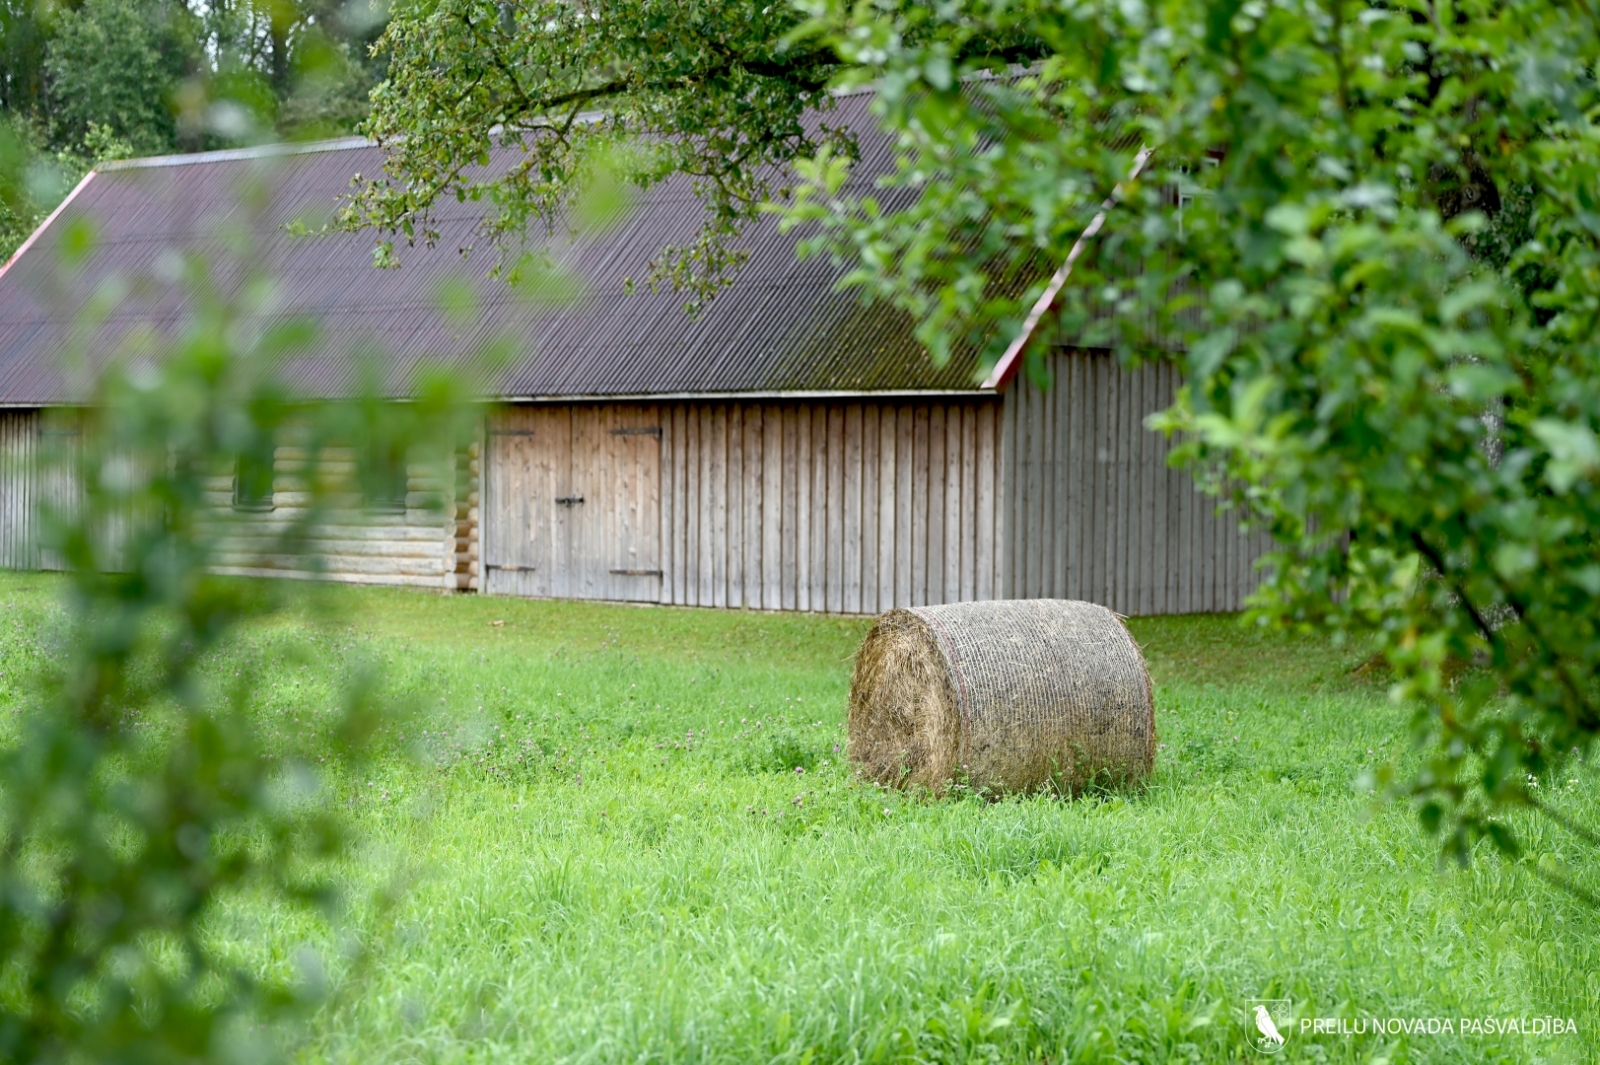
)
(1009, 696)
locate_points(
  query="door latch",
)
(568, 501)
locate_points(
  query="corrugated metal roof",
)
(782, 326)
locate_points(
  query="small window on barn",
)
(384, 478)
(252, 481)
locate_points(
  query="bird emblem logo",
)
(1266, 1038)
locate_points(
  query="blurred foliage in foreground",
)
(139, 792)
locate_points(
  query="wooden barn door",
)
(574, 503)
(616, 472)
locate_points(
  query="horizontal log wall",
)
(1095, 513)
(468, 505)
(351, 543)
(851, 507)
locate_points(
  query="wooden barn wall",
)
(851, 507)
(468, 506)
(351, 544)
(1093, 510)
(37, 455)
(433, 544)
(572, 502)
(19, 446)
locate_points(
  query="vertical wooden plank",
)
(1148, 491)
(851, 529)
(1054, 502)
(1211, 543)
(10, 442)
(1037, 513)
(1116, 532)
(17, 513)
(1132, 490)
(1005, 492)
(507, 509)
(753, 460)
(1094, 556)
(1051, 575)
(700, 543)
(605, 510)
(1154, 513)
(819, 507)
(888, 482)
(667, 496)
(1110, 483)
(833, 589)
(686, 460)
(733, 543)
(795, 487)
(719, 505)
(867, 602)
(920, 489)
(1071, 550)
(772, 501)
(904, 480)
(8, 485)
(651, 555)
(985, 460)
(1124, 440)
(1178, 486)
(967, 512)
(677, 533)
(955, 523)
(1161, 502)
(558, 469)
(936, 492)
(1187, 505)
(594, 463)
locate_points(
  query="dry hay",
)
(1004, 696)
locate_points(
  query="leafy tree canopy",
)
(115, 62)
(1368, 231)
(713, 90)
(103, 79)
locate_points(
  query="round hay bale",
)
(1007, 696)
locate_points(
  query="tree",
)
(24, 29)
(1371, 227)
(119, 63)
(109, 79)
(713, 90)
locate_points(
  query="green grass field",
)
(626, 835)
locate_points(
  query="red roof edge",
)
(62, 206)
(1010, 362)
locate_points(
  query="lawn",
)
(615, 833)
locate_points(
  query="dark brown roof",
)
(782, 326)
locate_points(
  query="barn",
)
(787, 448)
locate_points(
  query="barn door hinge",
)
(654, 430)
(510, 432)
(637, 572)
(509, 568)
(568, 501)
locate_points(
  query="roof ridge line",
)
(225, 155)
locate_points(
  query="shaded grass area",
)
(625, 834)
